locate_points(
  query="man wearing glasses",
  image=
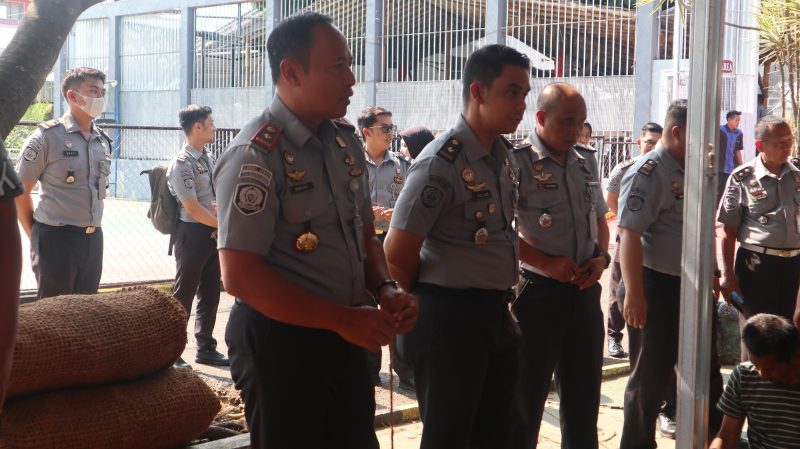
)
(387, 175)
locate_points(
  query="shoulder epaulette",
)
(742, 173)
(343, 123)
(450, 149)
(402, 157)
(648, 167)
(266, 137)
(580, 147)
(105, 136)
(48, 124)
(627, 163)
(181, 156)
(795, 161)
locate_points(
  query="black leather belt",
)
(77, 229)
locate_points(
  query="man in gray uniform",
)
(563, 252)
(760, 209)
(453, 241)
(299, 251)
(196, 261)
(10, 268)
(387, 174)
(71, 159)
(651, 230)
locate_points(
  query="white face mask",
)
(92, 106)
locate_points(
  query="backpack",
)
(164, 207)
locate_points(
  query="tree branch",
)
(29, 58)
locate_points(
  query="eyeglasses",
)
(650, 143)
(386, 129)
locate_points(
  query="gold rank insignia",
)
(296, 175)
(648, 167)
(266, 137)
(467, 175)
(542, 176)
(450, 149)
(306, 243)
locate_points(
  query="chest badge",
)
(356, 171)
(545, 220)
(542, 177)
(306, 243)
(296, 175)
(481, 235)
(475, 186)
(288, 157)
(349, 159)
(68, 143)
(491, 208)
(763, 219)
(398, 179)
(467, 175)
(677, 190)
(70, 177)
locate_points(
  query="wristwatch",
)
(606, 256)
(382, 284)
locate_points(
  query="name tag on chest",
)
(70, 153)
(301, 188)
(482, 194)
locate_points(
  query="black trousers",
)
(290, 401)
(66, 260)
(769, 283)
(616, 321)
(197, 272)
(465, 353)
(656, 355)
(562, 331)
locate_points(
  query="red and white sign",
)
(727, 66)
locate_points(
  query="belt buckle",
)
(784, 253)
(90, 229)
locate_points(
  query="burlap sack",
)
(164, 410)
(77, 340)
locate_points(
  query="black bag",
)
(164, 207)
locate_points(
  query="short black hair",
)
(293, 38)
(652, 127)
(486, 64)
(192, 114)
(732, 113)
(763, 126)
(676, 114)
(73, 78)
(764, 334)
(369, 116)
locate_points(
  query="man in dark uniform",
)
(761, 210)
(453, 241)
(651, 231)
(71, 159)
(387, 175)
(299, 251)
(196, 261)
(10, 268)
(563, 253)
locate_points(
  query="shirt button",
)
(308, 213)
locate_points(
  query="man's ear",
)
(476, 92)
(540, 117)
(291, 71)
(366, 132)
(759, 145)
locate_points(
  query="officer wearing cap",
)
(387, 174)
(196, 261)
(651, 228)
(299, 252)
(10, 267)
(563, 253)
(70, 158)
(453, 241)
(760, 209)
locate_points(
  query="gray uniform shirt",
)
(385, 181)
(651, 202)
(277, 181)
(617, 173)
(454, 192)
(189, 176)
(9, 183)
(72, 172)
(559, 204)
(764, 208)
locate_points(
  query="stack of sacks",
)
(95, 371)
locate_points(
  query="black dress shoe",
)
(615, 349)
(666, 426)
(181, 364)
(212, 357)
(376, 379)
(407, 384)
